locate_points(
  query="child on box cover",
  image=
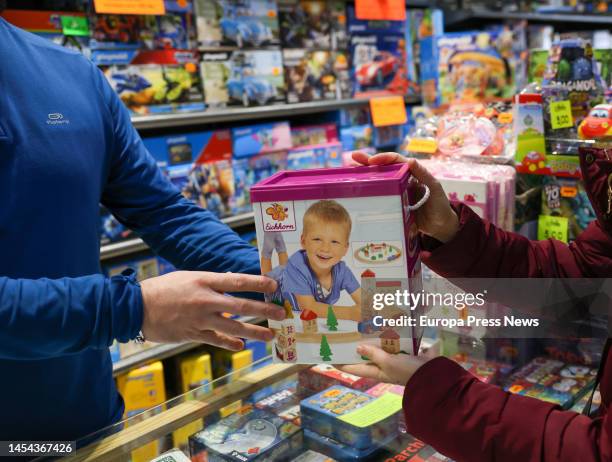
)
(315, 276)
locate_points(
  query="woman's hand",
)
(436, 217)
(385, 367)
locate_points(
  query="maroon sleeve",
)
(470, 421)
(480, 249)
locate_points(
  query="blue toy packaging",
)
(284, 403)
(111, 230)
(243, 78)
(389, 136)
(320, 156)
(312, 456)
(313, 24)
(174, 30)
(356, 137)
(237, 23)
(422, 25)
(339, 451)
(247, 435)
(352, 417)
(261, 139)
(251, 169)
(310, 135)
(114, 31)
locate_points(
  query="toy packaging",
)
(113, 31)
(247, 435)
(111, 230)
(309, 135)
(172, 31)
(261, 139)
(316, 75)
(243, 78)
(378, 56)
(284, 403)
(174, 455)
(143, 267)
(319, 156)
(389, 136)
(150, 82)
(251, 169)
(407, 448)
(340, 451)
(312, 456)
(333, 239)
(322, 376)
(237, 23)
(313, 24)
(352, 417)
(356, 137)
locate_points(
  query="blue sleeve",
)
(143, 199)
(349, 281)
(45, 318)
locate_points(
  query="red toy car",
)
(598, 123)
(374, 72)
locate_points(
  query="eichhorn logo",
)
(57, 118)
(278, 216)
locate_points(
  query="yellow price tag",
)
(505, 118)
(148, 7)
(561, 115)
(553, 227)
(424, 145)
(388, 110)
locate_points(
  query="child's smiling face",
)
(325, 244)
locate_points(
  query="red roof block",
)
(390, 334)
(368, 274)
(308, 315)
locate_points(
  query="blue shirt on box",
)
(66, 145)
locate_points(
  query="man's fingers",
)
(220, 340)
(230, 282)
(235, 328)
(361, 158)
(375, 354)
(385, 158)
(244, 307)
(423, 175)
(367, 371)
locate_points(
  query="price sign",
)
(423, 145)
(75, 25)
(388, 110)
(383, 10)
(553, 227)
(561, 115)
(505, 118)
(151, 7)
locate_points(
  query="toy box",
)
(316, 75)
(174, 30)
(319, 156)
(284, 403)
(261, 139)
(322, 376)
(566, 209)
(378, 56)
(339, 451)
(114, 31)
(407, 448)
(174, 455)
(389, 136)
(356, 137)
(250, 170)
(380, 389)
(150, 82)
(365, 216)
(309, 135)
(111, 230)
(247, 435)
(352, 417)
(243, 78)
(143, 267)
(313, 24)
(237, 23)
(423, 24)
(312, 456)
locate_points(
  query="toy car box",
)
(150, 82)
(316, 75)
(237, 23)
(313, 24)
(322, 376)
(284, 403)
(247, 435)
(367, 214)
(352, 417)
(243, 78)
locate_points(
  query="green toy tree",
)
(332, 322)
(325, 350)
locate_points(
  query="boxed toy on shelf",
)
(284, 403)
(237, 23)
(322, 376)
(243, 78)
(341, 236)
(151, 82)
(111, 230)
(313, 24)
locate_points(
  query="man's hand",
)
(385, 367)
(188, 306)
(436, 217)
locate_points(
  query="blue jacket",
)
(66, 145)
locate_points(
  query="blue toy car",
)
(248, 89)
(130, 82)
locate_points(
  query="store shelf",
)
(119, 249)
(163, 351)
(241, 114)
(458, 16)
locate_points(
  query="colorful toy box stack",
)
(484, 370)
(552, 380)
(379, 57)
(334, 239)
(314, 39)
(349, 424)
(314, 146)
(259, 152)
(322, 376)
(284, 403)
(247, 435)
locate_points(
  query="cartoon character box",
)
(336, 240)
(313, 24)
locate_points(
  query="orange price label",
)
(152, 7)
(388, 110)
(569, 191)
(505, 118)
(384, 10)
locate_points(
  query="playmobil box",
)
(313, 24)
(318, 156)
(251, 169)
(173, 30)
(322, 376)
(389, 136)
(247, 435)
(336, 240)
(150, 82)
(352, 417)
(237, 23)
(316, 75)
(115, 31)
(261, 139)
(308, 135)
(243, 78)
(284, 403)
(356, 137)
(111, 230)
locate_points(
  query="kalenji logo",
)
(56, 118)
(278, 217)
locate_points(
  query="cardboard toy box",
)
(316, 75)
(352, 417)
(313, 24)
(237, 23)
(247, 435)
(308, 135)
(284, 403)
(318, 156)
(243, 78)
(359, 242)
(174, 455)
(150, 82)
(322, 376)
